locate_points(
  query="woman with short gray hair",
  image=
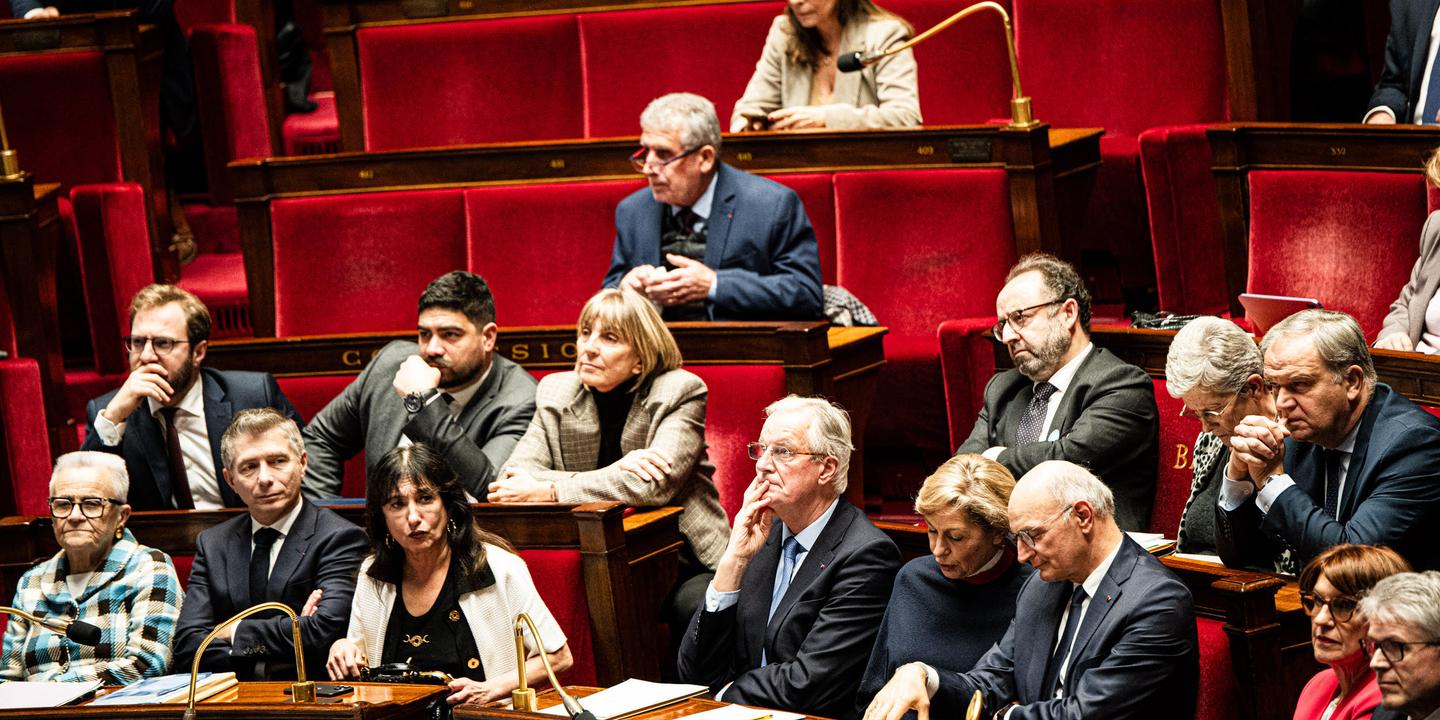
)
(1217, 370)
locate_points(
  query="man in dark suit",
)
(284, 550)
(794, 607)
(1067, 399)
(1404, 94)
(1348, 460)
(1404, 634)
(707, 241)
(450, 393)
(167, 418)
(1101, 630)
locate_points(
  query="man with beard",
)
(450, 393)
(166, 420)
(1067, 399)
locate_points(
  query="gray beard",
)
(1045, 359)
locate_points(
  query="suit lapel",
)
(722, 212)
(217, 419)
(237, 564)
(579, 430)
(1360, 455)
(1035, 636)
(1419, 53)
(847, 85)
(1105, 598)
(152, 440)
(817, 558)
(296, 543)
(1071, 401)
(754, 605)
(654, 225)
(636, 433)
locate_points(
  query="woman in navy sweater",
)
(948, 609)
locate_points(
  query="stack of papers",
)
(169, 689)
(1152, 542)
(18, 695)
(631, 697)
(740, 712)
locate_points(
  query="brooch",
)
(454, 616)
(416, 640)
(473, 663)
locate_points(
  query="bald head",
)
(1064, 520)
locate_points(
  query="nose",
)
(147, 353)
(1023, 552)
(1284, 400)
(766, 463)
(412, 514)
(433, 347)
(587, 345)
(1378, 661)
(1008, 333)
(940, 548)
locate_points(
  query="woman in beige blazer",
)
(626, 424)
(796, 84)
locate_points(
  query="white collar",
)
(1066, 374)
(1092, 583)
(1347, 445)
(707, 198)
(193, 402)
(994, 560)
(282, 525)
(811, 533)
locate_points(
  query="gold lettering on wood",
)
(350, 358)
(744, 156)
(1337, 151)
(925, 150)
(1182, 456)
(558, 164)
(569, 351)
(520, 352)
(367, 174)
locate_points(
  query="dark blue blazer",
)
(1406, 49)
(1135, 656)
(819, 639)
(226, 392)
(322, 550)
(759, 242)
(1391, 494)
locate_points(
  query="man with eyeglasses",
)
(167, 418)
(706, 241)
(1346, 459)
(1101, 630)
(1067, 399)
(1404, 644)
(792, 611)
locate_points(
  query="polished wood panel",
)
(628, 563)
(30, 239)
(672, 711)
(263, 700)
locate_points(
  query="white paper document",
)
(740, 712)
(17, 695)
(631, 697)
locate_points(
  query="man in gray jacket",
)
(449, 392)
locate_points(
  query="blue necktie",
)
(1067, 638)
(789, 552)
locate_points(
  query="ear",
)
(124, 514)
(828, 469)
(199, 351)
(1070, 311)
(488, 336)
(707, 158)
(304, 462)
(1084, 515)
(1354, 382)
(228, 479)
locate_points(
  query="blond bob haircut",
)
(634, 319)
(971, 484)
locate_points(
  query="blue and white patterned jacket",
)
(133, 597)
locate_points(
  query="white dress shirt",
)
(1061, 380)
(194, 442)
(1234, 493)
(281, 526)
(702, 208)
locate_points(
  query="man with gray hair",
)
(795, 605)
(1404, 644)
(707, 241)
(1101, 630)
(1345, 459)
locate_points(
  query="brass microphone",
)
(1021, 115)
(523, 697)
(301, 690)
(977, 703)
(9, 162)
(77, 630)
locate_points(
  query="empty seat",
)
(1184, 216)
(734, 412)
(26, 450)
(817, 194)
(560, 580)
(66, 133)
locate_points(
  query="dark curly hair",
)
(1060, 277)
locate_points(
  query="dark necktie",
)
(179, 480)
(1067, 638)
(1333, 479)
(260, 563)
(1034, 419)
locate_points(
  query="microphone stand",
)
(1021, 114)
(301, 690)
(77, 630)
(523, 697)
(9, 161)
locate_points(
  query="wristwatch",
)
(415, 402)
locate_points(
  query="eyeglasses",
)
(163, 345)
(1187, 412)
(645, 156)
(757, 450)
(1342, 607)
(1394, 650)
(1033, 535)
(1020, 318)
(90, 507)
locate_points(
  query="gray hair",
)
(112, 466)
(1212, 354)
(251, 422)
(1411, 598)
(1069, 483)
(828, 433)
(693, 116)
(1336, 335)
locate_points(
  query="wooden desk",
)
(546, 699)
(370, 701)
(628, 563)
(29, 246)
(1035, 160)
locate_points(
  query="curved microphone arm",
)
(1020, 111)
(523, 697)
(77, 630)
(301, 690)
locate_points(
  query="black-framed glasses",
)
(1031, 536)
(1020, 318)
(645, 156)
(757, 450)
(1394, 650)
(162, 345)
(1342, 607)
(90, 507)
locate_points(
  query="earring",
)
(389, 541)
(120, 532)
(453, 528)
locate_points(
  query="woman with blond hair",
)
(1413, 323)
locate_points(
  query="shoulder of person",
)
(885, 28)
(677, 381)
(236, 378)
(510, 372)
(215, 532)
(557, 385)
(503, 563)
(333, 522)
(1109, 366)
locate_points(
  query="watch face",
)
(413, 402)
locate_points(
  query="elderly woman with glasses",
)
(1217, 370)
(1331, 587)
(101, 576)
(963, 593)
(626, 424)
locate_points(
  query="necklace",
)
(416, 641)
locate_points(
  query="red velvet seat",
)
(734, 412)
(817, 194)
(543, 262)
(559, 577)
(27, 446)
(66, 131)
(964, 71)
(1306, 228)
(310, 395)
(113, 245)
(1218, 697)
(1177, 464)
(948, 240)
(348, 263)
(230, 97)
(630, 58)
(482, 81)
(1184, 220)
(967, 362)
